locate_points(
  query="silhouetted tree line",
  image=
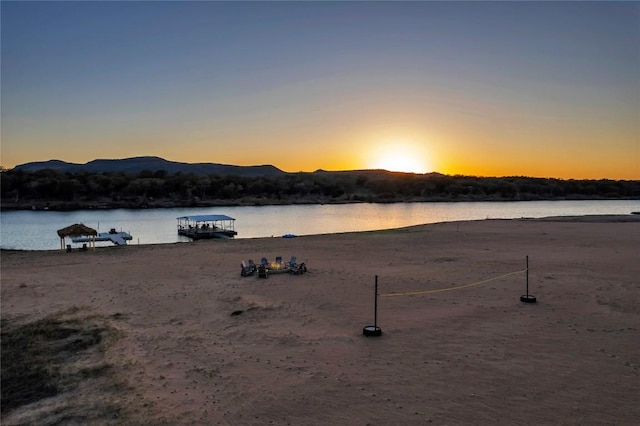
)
(65, 191)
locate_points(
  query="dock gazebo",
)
(205, 226)
(77, 230)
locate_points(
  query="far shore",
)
(57, 205)
(172, 334)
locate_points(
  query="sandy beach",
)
(186, 340)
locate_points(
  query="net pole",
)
(375, 305)
(527, 276)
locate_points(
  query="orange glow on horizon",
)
(449, 155)
(399, 156)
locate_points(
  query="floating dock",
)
(206, 226)
(117, 238)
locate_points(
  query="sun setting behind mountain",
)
(537, 89)
(400, 157)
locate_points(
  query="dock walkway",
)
(117, 238)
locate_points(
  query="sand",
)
(294, 353)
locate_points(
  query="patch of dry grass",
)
(46, 365)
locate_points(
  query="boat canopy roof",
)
(206, 218)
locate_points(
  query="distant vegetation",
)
(57, 190)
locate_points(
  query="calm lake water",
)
(36, 230)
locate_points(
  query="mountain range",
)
(138, 164)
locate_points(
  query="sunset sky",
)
(544, 89)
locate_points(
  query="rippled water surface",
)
(36, 230)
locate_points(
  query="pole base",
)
(528, 298)
(372, 331)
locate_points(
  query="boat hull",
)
(204, 235)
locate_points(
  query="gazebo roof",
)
(76, 230)
(206, 218)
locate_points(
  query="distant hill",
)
(99, 184)
(138, 164)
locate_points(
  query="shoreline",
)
(69, 206)
(631, 217)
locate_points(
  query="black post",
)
(527, 275)
(373, 330)
(528, 298)
(375, 305)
